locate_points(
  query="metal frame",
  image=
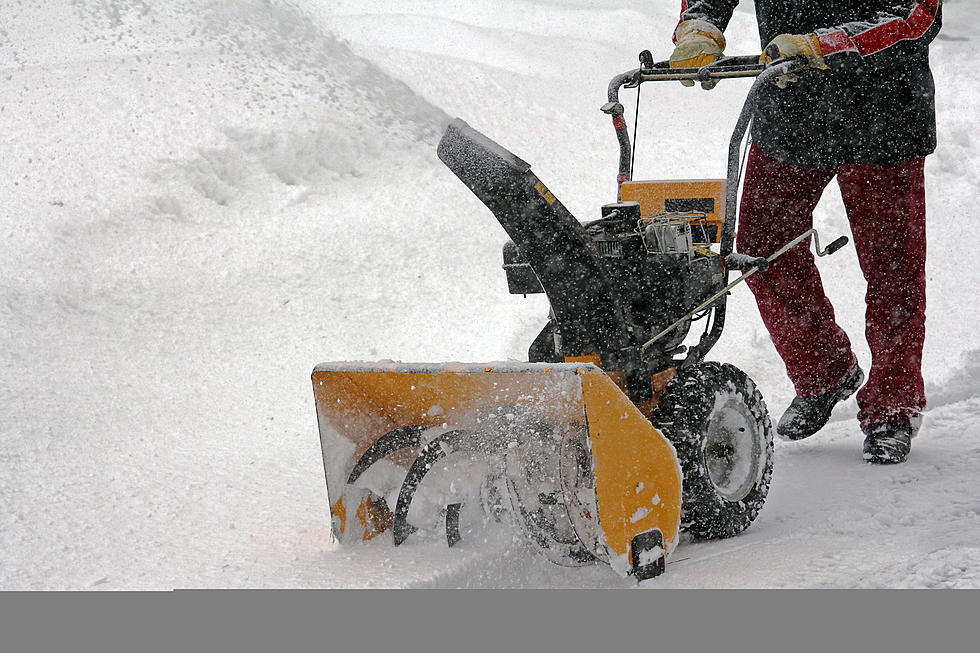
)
(724, 68)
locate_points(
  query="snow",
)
(201, 200)
(650, 556)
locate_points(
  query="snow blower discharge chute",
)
(614, 437)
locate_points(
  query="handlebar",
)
(724, 68)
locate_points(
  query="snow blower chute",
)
(615, 436)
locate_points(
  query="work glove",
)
(790, 46)
(698, 43)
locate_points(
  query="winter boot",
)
(887, 443)
(807, 415)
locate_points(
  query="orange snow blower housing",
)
(615, 436)
(599, 460)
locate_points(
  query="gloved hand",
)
(698, 43)
(794, 45)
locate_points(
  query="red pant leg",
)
(886, 207)
(777, 205)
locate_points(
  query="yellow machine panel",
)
(705, 196)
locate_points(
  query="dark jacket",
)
(877, 102)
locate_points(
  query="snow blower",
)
(615, 436)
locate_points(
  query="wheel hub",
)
(732, 451)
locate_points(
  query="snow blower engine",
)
(615, 436)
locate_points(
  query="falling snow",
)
(204, 199)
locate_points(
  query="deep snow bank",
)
(180, 181)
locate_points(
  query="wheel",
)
(717, 421)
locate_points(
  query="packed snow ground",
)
(203, 199)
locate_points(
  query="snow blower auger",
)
(614, 435)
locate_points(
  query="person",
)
(863, 111)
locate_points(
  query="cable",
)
(636, 125)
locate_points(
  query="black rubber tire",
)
(684, 415)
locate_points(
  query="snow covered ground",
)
(200, 200)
